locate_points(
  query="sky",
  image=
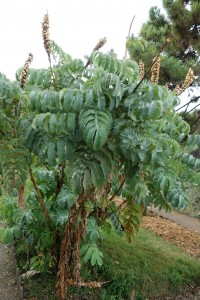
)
(75, 25)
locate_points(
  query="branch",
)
(46, 213)
(113, 212)
(129, 33)
(194, 99)
(185, 110)
(116, 209)
(117, 191)
(190, 110)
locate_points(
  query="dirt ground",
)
(8, 288)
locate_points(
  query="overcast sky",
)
(75, 25)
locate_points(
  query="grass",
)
(149, 266)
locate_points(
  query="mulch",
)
(187, 239)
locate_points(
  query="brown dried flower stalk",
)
(155, 69)
(45, 35)
(100, 44)
(167, 41)
(179, 89)
(141, 69)
(24, 73)
(167, 85)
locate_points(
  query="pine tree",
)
(182, 53)
(185, 22)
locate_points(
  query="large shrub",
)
(76, 136)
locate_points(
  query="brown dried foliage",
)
(20, 199)
(90, 284)
(69, 262)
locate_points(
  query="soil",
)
(8, 288)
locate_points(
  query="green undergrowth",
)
(148, 267)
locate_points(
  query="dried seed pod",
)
(167, 41)
(177, 90)
(155, 70)
(45, 34)
(187, 82)
(100, 44)
(169, 38)
(141, 69)
(167, 85)
(188, 79)
(24, 73)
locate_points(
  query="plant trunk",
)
(69, 262)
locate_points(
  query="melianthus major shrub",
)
(78, 136)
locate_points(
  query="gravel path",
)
(181, 219)
(8, 288)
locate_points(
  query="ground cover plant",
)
(73, 137)
(146, 268)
